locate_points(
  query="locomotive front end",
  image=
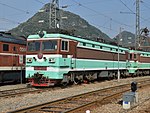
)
(42, 61)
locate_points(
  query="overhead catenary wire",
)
(39, 1)
(127, 7)
(8, 20)
(14, 8)
(147, 6)
(132, 12)
(115, 21)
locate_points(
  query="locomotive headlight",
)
(29, 60)
(52, 60)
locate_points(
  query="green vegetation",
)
(73, 22)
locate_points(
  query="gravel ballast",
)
(26, 100)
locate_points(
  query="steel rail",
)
(78, 102)
(15, 92)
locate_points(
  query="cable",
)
(15, 8)
(127, 6)
(132, 12)
(102, 14)
(40, 2)
(8, 20)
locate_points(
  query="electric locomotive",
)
(12, 58)
(138, 63)
(55, 58)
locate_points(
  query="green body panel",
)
(99, 64)
(64, 62)
(55, 70)
(132, 71)
(144, 65)
(47, 74)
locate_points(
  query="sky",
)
(107, 15)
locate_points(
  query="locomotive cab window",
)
(50, 45)
(5, 47)
(64, 45)
(33, 46)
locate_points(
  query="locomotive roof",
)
(6, 37)
(57, 35)
(141, 52)
(45, 35)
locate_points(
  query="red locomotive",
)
(12, 58)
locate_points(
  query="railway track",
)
(16, 92)
(81, 103)
(144, 110)
(22, 91)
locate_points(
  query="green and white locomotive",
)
(54, 58)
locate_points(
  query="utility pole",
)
(54, 17)
(120, 39)
(137, 32)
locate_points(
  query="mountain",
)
(127, 39)
(73, 22)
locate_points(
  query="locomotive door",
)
(73, 46)
(15, 57)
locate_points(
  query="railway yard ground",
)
(29, 99)
(9, 87)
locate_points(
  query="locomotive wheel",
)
(76, 81)
(64, 84)
(86, 81)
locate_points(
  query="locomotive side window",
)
(130, 56)
(49, 45)
(14, 48)
(64, 45)
(134, 56)
(33, 46)
(5, 47)
(93, 45)
(84, 44)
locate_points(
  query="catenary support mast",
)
(137, 32)
(54, 17)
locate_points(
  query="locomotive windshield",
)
(33, 46)
(49, 45)
(45, 45)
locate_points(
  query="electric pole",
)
(137, 33)
(54, 17)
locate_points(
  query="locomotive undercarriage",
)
(142, 72)
(12, 76)
(39, 80)
(83, 77)
(91, 76)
